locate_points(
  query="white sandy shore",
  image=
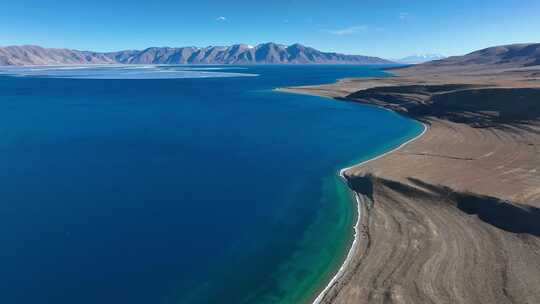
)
(359, 201)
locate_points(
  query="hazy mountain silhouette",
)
(419, 58)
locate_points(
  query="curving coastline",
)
(358, 199)
(453, 215)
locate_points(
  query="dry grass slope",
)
(453, 217)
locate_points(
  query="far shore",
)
(460, 201)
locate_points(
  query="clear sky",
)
(383, 28)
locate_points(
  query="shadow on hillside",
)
(505, 215)
(479, 107)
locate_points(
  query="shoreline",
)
(473, 179)
(341, 173)
(358, 200)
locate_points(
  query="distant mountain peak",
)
(420, 58)
(264, 53)
(297, 45)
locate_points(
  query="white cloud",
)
(221, 19)
(403, 15)
(348, 30)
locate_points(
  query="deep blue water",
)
(192, 190)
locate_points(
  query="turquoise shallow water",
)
(178, 189)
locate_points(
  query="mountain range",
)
(266, 53)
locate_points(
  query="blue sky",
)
(388, 29)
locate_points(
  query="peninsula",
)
(454, 216)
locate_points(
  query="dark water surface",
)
(190, 190)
